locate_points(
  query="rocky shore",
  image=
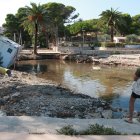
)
(132, 60)
(125, 59)
(25, 94)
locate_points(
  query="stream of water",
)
(109, 83)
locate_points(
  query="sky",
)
(88, 9)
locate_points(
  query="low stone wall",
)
(89, 51)
(73, 49)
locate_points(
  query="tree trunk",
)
(35, 43)
(96, 36)
(112, 33)
(47, 40)
(56, 38)
(20, 38)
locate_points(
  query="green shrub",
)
(106, 44)
(132, 43)
(104, 37)
(92, 130)
(132, 38)
(119, 44)
(95, 44)
(67, 130)
(112, 44)
(99, 130)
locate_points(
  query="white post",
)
(15, 37)
(20, 39)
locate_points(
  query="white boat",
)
(9, 51)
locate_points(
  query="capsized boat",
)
(9, 51)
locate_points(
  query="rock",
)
(2, 101)
(42, 104)
(18, 87)
(43, 108)
(27, 108)
(2, 113)
(114, 109)
(6, 98)
(100, 109)
(65, 114)
(71, 107)
(93, 115)
(15, 95)
(107, 114)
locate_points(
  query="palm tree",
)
(36, 17)
(112, 18)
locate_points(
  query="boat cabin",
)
(9, 51)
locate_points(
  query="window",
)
(9, 50)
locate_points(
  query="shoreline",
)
(112, 60)
(26, 94)
(55, 100)
(29, 100)
(131, 60)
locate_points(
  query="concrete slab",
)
(21, 136)
(48, 125)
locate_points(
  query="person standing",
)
(135, 94)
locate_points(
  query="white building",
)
(119, 39)
(8, 51)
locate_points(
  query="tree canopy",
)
(113, 19)
(46, 19)
(36, 17)
(39, 24)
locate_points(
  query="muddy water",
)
(110, 83)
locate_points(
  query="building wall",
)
(119, 39)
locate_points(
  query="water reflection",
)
(35, 68)
(110, 83)
(83, 84)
